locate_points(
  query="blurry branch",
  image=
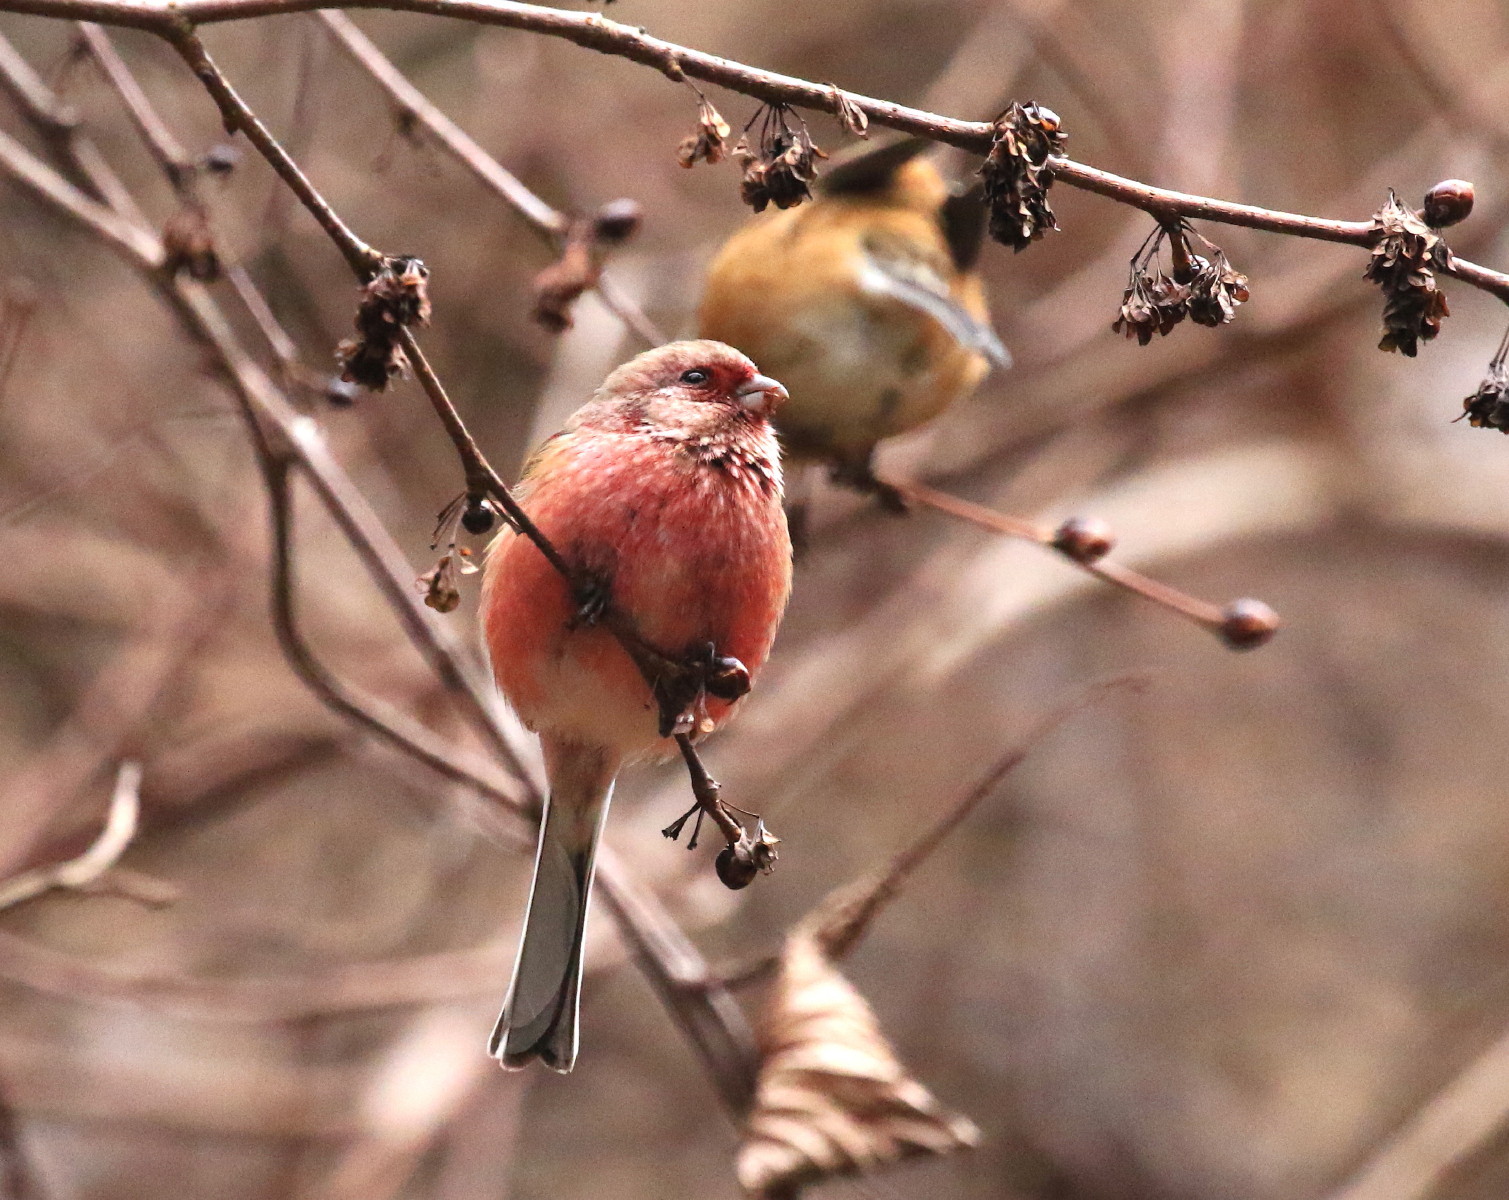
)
(90, 871)
(1466, 112)
(176, 20)
(843, 917)
(1439, 1142)
(1242, 624)
(16, 308)
(286, 442)
(413, 105)
(108, 723)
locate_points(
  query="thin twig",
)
(89, 868)
(699, 1004)
(551, 224)
(176, 20)
(842, 918)
(1214, 618)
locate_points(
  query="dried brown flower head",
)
(1488, 407)
(1406, 255)
(439, 583)
(1216, 289)
(781, 165)
(831, 1098)
(1017, 174)
(1203, 287)
(396, 297)
(188, 246)
(710, 142)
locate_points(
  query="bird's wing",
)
(888, 271)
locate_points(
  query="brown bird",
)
(864, 302)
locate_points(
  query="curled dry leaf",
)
(850, 115)
(831, 1098)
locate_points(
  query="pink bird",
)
(664, 490)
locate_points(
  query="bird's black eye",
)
(694, 377)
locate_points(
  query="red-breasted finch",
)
(864, 302)
(665, 491)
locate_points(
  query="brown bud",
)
(221, 159)
(728, 679)
(1084, 539)
(478, 516)
(735, 867)
(1247, 624)
(1447, 203)
(617, 220)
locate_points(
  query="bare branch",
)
(89, 868)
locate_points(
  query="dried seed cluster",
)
(1203, 287)
(710, 142)
(396, 297)
(1017, 174)
(1407, 253)
(1488, 407)
(781, 164)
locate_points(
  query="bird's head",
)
(702, 372)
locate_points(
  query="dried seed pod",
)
(1017, 174)
(1084, 539)
(1447, 203)
(831, 1098)
(1406, 255)
(710, 142)
(1152, 304)
(188, 246)
(396, 297)
(1248, 624)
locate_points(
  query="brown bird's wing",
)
(963, 221)
(868, 167)
(892, 268)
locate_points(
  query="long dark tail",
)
(539, 1018)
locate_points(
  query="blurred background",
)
(1232, 936)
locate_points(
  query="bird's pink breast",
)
(692, 553)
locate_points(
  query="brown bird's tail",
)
(539, 1018)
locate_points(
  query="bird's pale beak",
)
(762, 395)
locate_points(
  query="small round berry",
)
(1084, 539)
(1447, 203)
(479, 516)
(728, 680)
(735, 868)
(617, 220)
(1247, 624)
